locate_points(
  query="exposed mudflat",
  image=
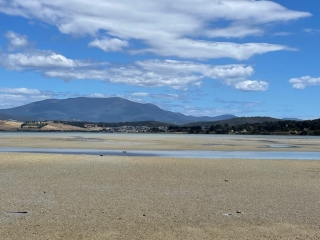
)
(160, 142)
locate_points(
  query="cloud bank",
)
(149, 73)
(181, 28)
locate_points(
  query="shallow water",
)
(175, 154)
(149, 135)
(281, 146)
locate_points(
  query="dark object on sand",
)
(17, 212)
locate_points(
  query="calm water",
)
(147, 135)
(176, 154)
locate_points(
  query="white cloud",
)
(155, 95)
(168, 28)
(303, 82)
(109, 44)
(16, 40)
(12, 97)
(188, 48)
(19, 91)
(249, 85)
(233, 75)
(35, 60)
(140, 94)
(235, 31)
(134, 75)
(151, 73)
(207, 70)
(40, 60)
(156, 73)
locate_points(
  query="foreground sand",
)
(93, 197)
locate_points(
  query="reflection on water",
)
(176, 154)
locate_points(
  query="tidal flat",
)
(58, 196)
(168, 142)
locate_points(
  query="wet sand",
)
(47, 196)
(161, 142)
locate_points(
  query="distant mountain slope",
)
(235, 121)
(7, 117)
(113, 109)
(292, 119)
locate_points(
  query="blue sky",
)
(205, 57)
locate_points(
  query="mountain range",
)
(112, 109)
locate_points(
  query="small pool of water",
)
(175, 154)
(281, 146)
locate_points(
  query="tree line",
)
(309, 127)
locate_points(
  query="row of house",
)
(130, 129)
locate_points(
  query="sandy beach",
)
(54, 196)
(93, 197)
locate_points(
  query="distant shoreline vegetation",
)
(283, 127)
(230, 126)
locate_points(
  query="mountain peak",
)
(113, 109)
